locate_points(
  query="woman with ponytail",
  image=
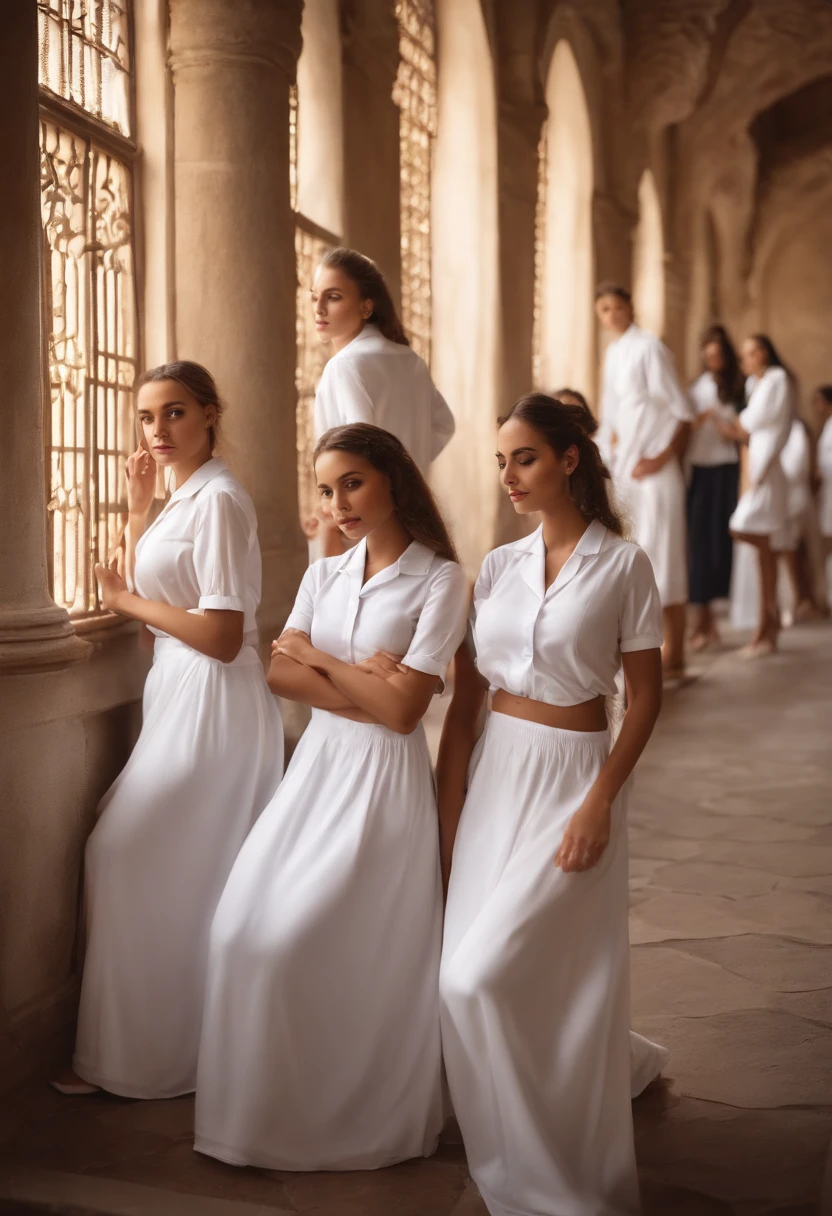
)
(172, 823)
(373, 376)
(534, 983)
(321, 1046)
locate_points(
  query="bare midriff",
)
(588, 716)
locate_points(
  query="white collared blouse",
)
(563, 645)
(387, 384)
(707, 447)
(767, 419)
(416, 607)
(201, 551)
(643, 401)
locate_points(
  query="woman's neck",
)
(563, 527)
(385, 545)
(184, 469)
(338, 344)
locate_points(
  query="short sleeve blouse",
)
(202, 552)
(707, 447)
(386, 383)
(415, 607)
(563, 645)
(767, 419)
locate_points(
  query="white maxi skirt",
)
(656, 506)
(321, 1043)
(208, 759)
(535, 984)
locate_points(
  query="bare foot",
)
(701, 641)
(67, 1081)
(759, 649)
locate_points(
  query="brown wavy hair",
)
(729, 380)
(412, 498)
(564, 426)
(590, 421)
(371, 285)
(196, 379)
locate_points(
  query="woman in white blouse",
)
(714, 480)
(173, 822)
(762, 511)
(534, 981)
(645, 425)
(373, 375)
(321, 1042)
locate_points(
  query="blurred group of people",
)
(710, 476)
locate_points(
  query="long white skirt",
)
(208, 759)
(656, 508)
(321, 1045)
(535, 983)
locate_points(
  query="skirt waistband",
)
(336, 726)
(166, 645)
(515, 729)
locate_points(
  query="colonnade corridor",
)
(731, 876)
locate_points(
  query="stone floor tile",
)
(69, 1194)
(470, 1203)
(742, 1156)
(768, 1058)
(712, 877)
(414, 1188)
(675, 916)
(179, 1169)
(787, 966)
(666, 981)
(783, 858)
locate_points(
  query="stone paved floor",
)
(731, 926)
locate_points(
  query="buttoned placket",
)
(353, 568)
(534, 575)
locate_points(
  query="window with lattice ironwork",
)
(415, 95)
(90, 322)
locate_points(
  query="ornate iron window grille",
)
(415, 95)
(90, 313)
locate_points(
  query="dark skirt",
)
(712, 497)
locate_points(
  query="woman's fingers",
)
(577, 854)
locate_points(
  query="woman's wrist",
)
(122, 601)
(321, 661)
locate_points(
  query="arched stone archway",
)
(648, 258)
(564, 333)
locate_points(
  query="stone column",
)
(235, 273)
(34, 631)
(613, 228)
(371, 135)
(518, 137)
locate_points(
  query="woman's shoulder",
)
(775, 376)
(625, 556)
(443, 571)
(224, 489)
